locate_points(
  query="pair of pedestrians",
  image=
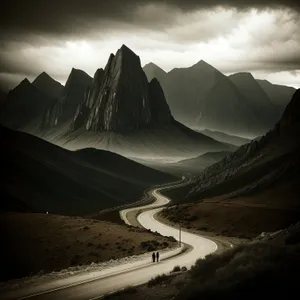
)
(155, 256)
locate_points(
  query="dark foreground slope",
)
(40, 176)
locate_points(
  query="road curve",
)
(139, 272)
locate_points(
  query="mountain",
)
(23, 106)
(272, 160)
(202, 97)
(122, 99)
(226, 138)
(280, 95)
(124, 113)
(153, 71)
(40, 177)
(264, 110)
(2, 96)
(63, 109)
(48, 85)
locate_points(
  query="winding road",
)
(135, 273)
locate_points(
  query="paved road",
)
(140, 272)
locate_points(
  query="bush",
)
(293, 238)
(183, 269)
(86, 228)
(245, 272)
(129, 290)
(176, 269)
(159, 280)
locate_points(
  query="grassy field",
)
(244, 217)
(38, 242)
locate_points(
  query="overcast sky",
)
(262, 37)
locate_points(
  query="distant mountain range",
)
(117, 110)
(202, 97)
(120, 110)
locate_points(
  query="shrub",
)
(176, 269)
(159, 280)
(183, 269)
(293, 238)
(75, 259)
(86, 228)
(129, 290)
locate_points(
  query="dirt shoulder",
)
(38, 242)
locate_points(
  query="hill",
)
(41, 177)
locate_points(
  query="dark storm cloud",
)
(73, 16)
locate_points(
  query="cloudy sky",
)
(259, 36)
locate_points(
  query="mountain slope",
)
(153, 71)
(48, 85)
(63, 109)
(259, 164)
(264, 110)
(43, 177)
(280, 95)
(225, 138)
(23, 106)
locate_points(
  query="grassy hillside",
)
(38, 242)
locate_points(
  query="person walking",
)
(157, 256)
(153, 257)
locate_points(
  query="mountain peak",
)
(24, 83)
(121, 99)
(203, 65)
(244, 75)
(47, 85)
(127, 54)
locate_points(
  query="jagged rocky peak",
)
(120, 97)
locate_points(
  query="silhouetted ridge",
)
(48, 85)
